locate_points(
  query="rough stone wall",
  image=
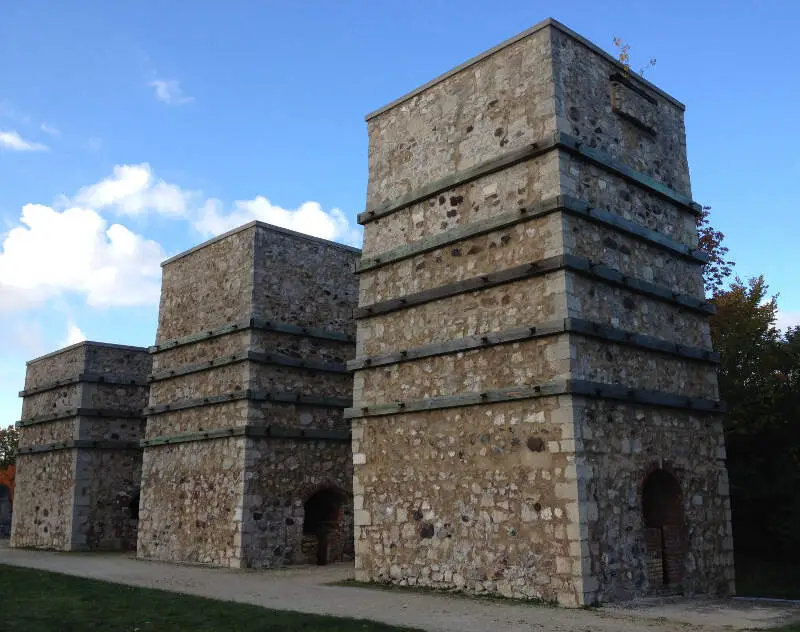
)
(281, 476)
(191, 502)
(621, 445)
(500, 104)
(262, 351)
(453, 487)
(457, 499)
(106, 499)
(79, 463)
(42, 515)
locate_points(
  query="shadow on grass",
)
(38, 601)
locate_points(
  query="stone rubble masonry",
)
(540, 496)
(79, 466)
(249, 322)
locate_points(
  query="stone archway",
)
(5, 511)
(322, 526)
(662, 505)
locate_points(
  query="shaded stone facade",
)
(79, 461)
(535, 390)
(247, 458)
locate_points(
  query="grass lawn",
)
(38, 601)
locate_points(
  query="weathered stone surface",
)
(534, 300)
(528, 241)
(517, 364)
(280, 477)
(512, 498)
(457, 499)
(631, 256)
(622, 444)
(627, 310)
(191, 502)
(240, 501)
(45, 487)
(81, 498)
(503, 103)
(519, 185)
(583, 108)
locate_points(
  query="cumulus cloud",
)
(309, 218)
(76, 252)
(169, 91)
(134, 190)
(788, 319)
(14, 142)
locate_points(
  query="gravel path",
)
(305, 589)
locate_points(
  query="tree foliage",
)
(719, 268)
(9, 443)
(759, 378)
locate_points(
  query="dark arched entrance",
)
(322, 526)
(5, 511)
(662, 503)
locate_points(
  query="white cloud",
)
(788, 319)
(169, 91)
(13, 141)
(309, 218)
(134, 190)
(55, 253)
(74, 335)
(49, 129)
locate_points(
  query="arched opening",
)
(133, 507)
(322, 526)
(662, 505)
(5, 511)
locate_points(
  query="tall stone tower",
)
(535, 393)
(247, 457)
(79, 462)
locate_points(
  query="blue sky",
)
(132, 131)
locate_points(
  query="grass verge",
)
(38, 601)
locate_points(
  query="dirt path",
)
(304, 589)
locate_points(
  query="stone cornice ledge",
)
(249, 430)
(558, 140)
(542, 330)
(561, 203)
(579, 265)
(279, 397)
(85, 444)
(586, 388)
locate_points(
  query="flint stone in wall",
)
(583, 96)
(525, 242)
(489, 196)
(528, 302)
(628, 442)
(501, 104)
(633, 312)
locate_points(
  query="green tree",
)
(719, 268)
(9, 444)
(759, 378)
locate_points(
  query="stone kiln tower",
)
(79, 462)
(535, 393)
(247, 458)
